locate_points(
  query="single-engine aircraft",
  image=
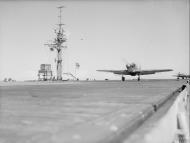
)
(182, 76)
(133, 70)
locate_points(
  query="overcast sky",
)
(101, 35)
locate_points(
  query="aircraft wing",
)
(146, 72)
(122, 72)
(182, 75)
(137, 72)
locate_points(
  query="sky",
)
(101, 35)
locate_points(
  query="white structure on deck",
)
(45, 72)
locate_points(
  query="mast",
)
(57, 44)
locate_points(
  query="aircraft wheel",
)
(123, 78)
(138, 78)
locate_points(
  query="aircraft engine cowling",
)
(133, 74)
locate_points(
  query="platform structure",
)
(45, 72)
(82, 112)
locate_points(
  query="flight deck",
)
(77, 112)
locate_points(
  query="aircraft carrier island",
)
(94, 112)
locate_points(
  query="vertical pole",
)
(59, 48)
(59, 65)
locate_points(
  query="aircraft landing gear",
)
(138, 78)
(123, 78)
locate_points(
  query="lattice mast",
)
(57, 44)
